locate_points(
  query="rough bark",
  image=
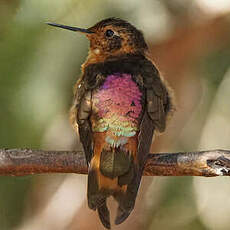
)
(21, 162)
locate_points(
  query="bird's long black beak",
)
(70, 28)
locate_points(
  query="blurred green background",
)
(189, 42)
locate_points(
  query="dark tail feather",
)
(126, 204)
(127, 200)
(104, 215)
(122, 215)
(97, 199)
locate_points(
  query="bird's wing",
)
(158, 105)
(84, 124)
(79, 116)
(82, 109)
(158, 98)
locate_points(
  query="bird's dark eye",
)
(109, 33)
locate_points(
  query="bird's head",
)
(111, 37)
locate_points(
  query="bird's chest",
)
(117, 106)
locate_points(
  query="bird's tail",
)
(113, 172)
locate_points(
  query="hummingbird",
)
(120, 101)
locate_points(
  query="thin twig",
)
(20, 162)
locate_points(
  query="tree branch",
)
(20, 162)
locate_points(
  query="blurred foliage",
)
(215, 65)
(39, 65)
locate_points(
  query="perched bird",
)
(119, 102)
